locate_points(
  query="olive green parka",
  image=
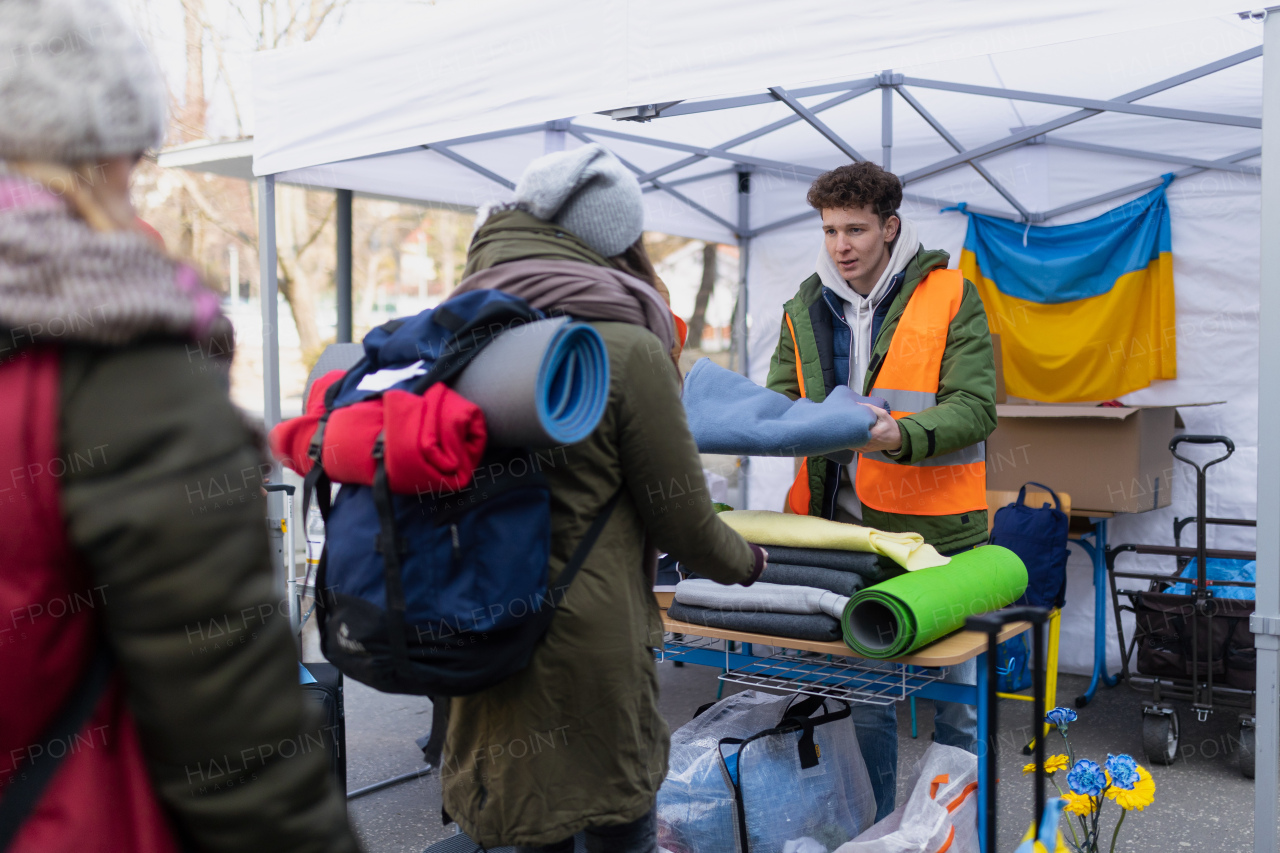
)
(576, 739)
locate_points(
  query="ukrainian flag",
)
(1085, 311)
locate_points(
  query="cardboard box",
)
(1108, 459)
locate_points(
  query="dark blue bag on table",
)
(1039, 537)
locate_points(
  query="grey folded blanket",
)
(842, 583)
(868, 565)
(728, 413)
(761, 597)
(807, 626)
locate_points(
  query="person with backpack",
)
(884, 315)
(575, 741)
(150, 680)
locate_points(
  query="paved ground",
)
(1202, 803)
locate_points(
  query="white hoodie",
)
(859, 311)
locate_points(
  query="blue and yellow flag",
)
(1085, 311)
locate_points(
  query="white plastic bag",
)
(940, 813)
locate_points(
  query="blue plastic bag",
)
(1220, 570)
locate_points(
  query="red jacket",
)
(100, 798)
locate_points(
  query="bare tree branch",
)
(315, 235)
(209, 211)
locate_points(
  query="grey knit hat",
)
(588, 192)
(76, 83)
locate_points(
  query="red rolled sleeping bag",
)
(431, 442)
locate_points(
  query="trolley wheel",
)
(1160, 737)
(1248, 750)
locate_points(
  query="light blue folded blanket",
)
(728, 413)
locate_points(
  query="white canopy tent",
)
(1047, 113)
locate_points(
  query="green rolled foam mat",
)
(902, 614)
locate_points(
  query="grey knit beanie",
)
(76, 83)
(588, 192)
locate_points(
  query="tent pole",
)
(744, 251)
(755, 134)
(955, 143)
(268, 291)
(1216, 165)
(1085, 103)
(1265, 622)
(553, 138)
(816, 123)
(663, 186)
(1143, 185)
(1071, 118)
(342, 274)
(470, 164)
(886, 122)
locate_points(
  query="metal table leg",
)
(1097, 552)
(981, 699)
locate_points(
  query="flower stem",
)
(1117, 831)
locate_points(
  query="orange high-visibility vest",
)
(949, 484)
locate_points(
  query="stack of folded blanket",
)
(783, 610)
(800, 595)
(815, 566)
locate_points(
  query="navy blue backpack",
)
(1039, 537)
(438, 594)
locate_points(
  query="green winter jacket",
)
(966, 410)
(576, 738)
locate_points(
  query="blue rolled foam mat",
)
(543, 384)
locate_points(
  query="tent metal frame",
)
(1266, 622)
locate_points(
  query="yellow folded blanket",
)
(805, 531)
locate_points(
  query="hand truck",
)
(1193, 648)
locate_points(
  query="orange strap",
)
(795, 344)
(938, 782)
(798, 495)
(951, 806)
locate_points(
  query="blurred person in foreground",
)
(575, 742)
(150, 680)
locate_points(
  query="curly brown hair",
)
(858, 185)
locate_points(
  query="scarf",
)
(63, 281)
(579, 290)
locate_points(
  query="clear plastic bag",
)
(830, 801)
(736, 749)
(941, 811)
(696, 803)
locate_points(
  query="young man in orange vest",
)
(886, 317)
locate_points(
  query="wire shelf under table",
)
(678, 646)
(851, 679)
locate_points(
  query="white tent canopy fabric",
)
(475, 67)
(449, 107)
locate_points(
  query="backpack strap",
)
(1022, 494)
(557, 593)
(391, 546)
(27, 787)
